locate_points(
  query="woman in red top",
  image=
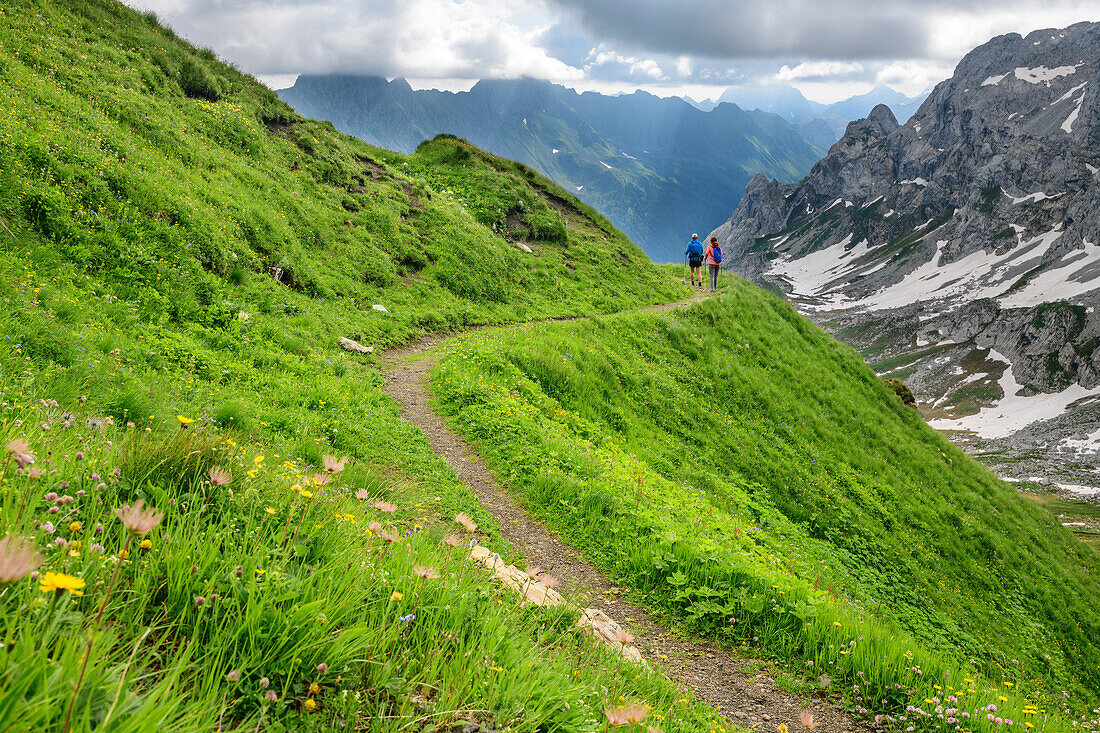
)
(713, 256)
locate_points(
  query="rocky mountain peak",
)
(966, 239)
(883, 119)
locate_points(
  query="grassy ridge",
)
(176, 242)
(179, 203)
(754, 478)
(272, 602)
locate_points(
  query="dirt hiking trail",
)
(715, 675)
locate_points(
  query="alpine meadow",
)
(216, 516)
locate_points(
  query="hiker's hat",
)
(694, 236)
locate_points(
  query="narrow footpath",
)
(719, 677)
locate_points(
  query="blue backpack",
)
(716, 252)
(695, 249)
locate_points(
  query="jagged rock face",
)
(963, 246)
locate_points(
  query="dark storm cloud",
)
(751, 28)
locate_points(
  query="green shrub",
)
(901, 389)
(197, 82)
(129, 404)
(231, 416)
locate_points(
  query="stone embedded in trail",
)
(348, 345)
(599, 623)
(605, 628)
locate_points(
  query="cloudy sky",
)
(829, 49)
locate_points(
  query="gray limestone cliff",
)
(961, 250)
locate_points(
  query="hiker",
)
(713, 257)
(694, 254)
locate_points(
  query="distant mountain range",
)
(659, 168)
(961, 250)
(821, 124)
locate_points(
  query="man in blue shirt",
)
(694, 254)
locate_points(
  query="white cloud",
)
(600, 61)
(913, 76)
(420, 38)
(954, 32)
(827, 50)
(818, 69)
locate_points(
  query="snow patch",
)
(579, 188)
(1012, 412)
(1057, 283)
(1089, 444)
(978, 275)
(915, 182)
(1069, 94)
(1075, 489)
(1092, 169)
(808, 275)
(554, 151)
(991, 80)
(1067, 126)
(888, 214)
(605, 165)
(627, 155)
(1043, 74)
(970, 379)
(1034, 197)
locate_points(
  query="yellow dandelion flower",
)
(146, 544)
(395, 596)
(74, 527)
(184, 421)
(269, 510)
(50, 582)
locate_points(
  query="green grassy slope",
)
(753, 477)
(167, 255)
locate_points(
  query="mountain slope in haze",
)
(658, 168)
(959, 250)
(821, 124)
